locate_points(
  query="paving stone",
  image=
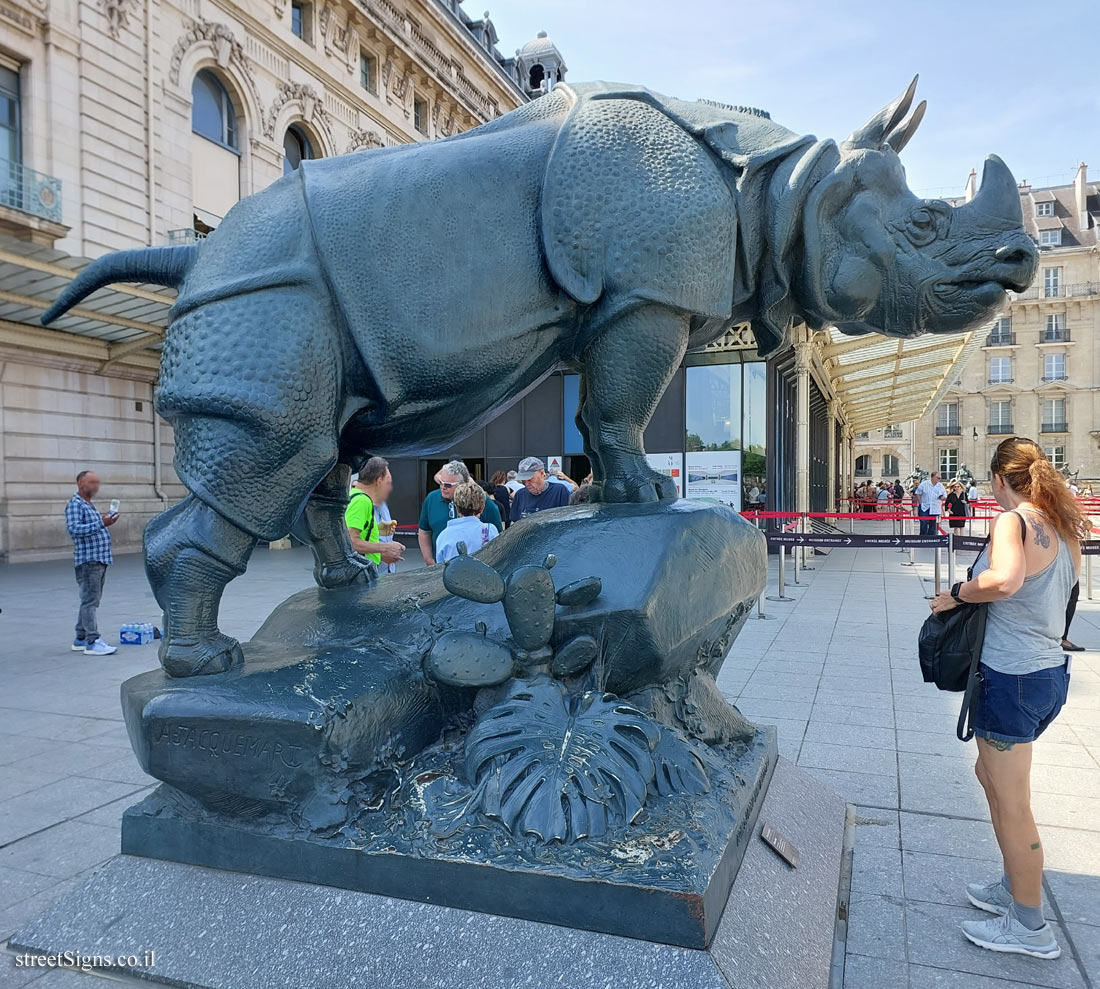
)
(1087, 942)
(861, 972)
(848, 758)
(923, 977)
(16, 885)
(843, 714)
(61, 851)
(860, 736)
(943, 878)
(970, 839)
(877, 826)
(1078, 900)
(876, 926)
(876, 869)
(859, 788)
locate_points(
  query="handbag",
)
(950, 649)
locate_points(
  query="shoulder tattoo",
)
(1041, 536)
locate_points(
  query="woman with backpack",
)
(1024, 574)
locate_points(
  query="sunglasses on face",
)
(448, 484)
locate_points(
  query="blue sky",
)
(1016, 79)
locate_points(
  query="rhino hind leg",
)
(626, 369)
(191, 553)
(321, 525)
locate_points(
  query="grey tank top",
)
(1023, 633)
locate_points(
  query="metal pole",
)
(936, 572)
(951, 558)
(1088, 576)
(805, 531)
(781, 596)
(794, 558)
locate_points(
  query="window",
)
(865, 435)
(949, 462)
(301, 20)
(1045, 209)
(1054, 367)
(1050, 238)
(890, 465)
(714, 407)
(947, 419)
(1002, 331)
(1053, 416)
(212, 113)
(296, 148)
(893, 432)
(1000, 370)
(420, 115)
(863, 465)
(367, 72)
(1000, 418)
(1055, 329)
(535, 76)
(1056, 455)
(1052, 278)
(11, 140)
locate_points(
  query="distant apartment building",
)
(1035, 371)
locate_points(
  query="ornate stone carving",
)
(227, 50)
(364, 138)
(313, 107)
(117, 13)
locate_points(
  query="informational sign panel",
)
(554, 464)
(714, 476)
(671, 464)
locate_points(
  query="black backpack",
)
(950, 648)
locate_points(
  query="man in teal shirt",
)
(371, 489)
(438, 509)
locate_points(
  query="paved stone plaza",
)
(835, 670)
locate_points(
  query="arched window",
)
(296, 148)
(863, 465)
(536, 75)
(212, 113)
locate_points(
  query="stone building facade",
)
(1033, 372)
(133, 122)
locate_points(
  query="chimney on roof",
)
(971, 186)
(1080, 196)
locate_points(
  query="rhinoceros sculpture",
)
(392, 301)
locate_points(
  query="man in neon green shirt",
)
(372, 488)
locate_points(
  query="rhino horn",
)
(998, 199)
(899, 136)
(873, 133)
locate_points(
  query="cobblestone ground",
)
(835, 670)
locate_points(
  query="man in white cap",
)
(537, 494)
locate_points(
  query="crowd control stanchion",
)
(951, 558)
(782, 575)
(804, 526)
(760, 609)
(910, 563)
(935, 574)
(1088, 577)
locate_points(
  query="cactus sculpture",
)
(472, 659)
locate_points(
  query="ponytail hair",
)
(1024, 467)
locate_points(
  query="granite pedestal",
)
(220, 929)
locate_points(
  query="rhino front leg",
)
(322, 526)
(626, 370)
(191, 553)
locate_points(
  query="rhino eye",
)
(922, 227)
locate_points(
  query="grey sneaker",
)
(1005, 933)
(994, 897)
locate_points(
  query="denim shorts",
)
(1015, 708)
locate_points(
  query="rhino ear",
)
(873, 134)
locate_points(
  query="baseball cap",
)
(528, 468)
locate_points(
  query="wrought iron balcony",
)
(892, 434)
(184, 235)
(1058, 335)
(995, 429)
(1075, 290)
(1056, 377)
(29, 191)
(1054, 427)
(1000, 381)
(1001, 340)
(952, 430)
(862, 472)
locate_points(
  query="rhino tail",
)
(155, 265)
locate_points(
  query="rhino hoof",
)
(202, 656)
(353, 570)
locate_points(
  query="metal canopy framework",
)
(881, 381)
(123, 319)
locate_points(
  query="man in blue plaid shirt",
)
(89, 530)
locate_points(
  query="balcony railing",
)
(954, 430)
(1074, 290)
(862, 472)
(1054, 427)
(1001, 340)
(1060, 335)
(996, 429)
(1055, 377)
(1000, 381)
(29, 191)
(184, 235)
(892, 434)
